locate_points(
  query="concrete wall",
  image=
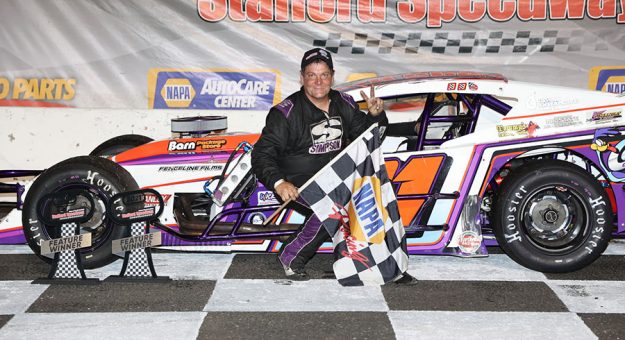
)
(36, 138)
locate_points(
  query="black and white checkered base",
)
(138, 263)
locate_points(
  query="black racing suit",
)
(297, 141)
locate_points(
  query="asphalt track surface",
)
(227, 296)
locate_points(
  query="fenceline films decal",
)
(607, 79)
(433, 12)
(213, 89)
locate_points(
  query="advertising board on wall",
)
(160, 53)
(607, 78)
(213, 89)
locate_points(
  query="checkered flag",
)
(354, 199)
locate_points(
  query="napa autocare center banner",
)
(244, 55)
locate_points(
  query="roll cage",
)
(466, 106)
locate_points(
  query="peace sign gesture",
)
(375, 104)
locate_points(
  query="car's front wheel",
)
(552, 216)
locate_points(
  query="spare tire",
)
(100, 177)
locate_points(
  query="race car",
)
(475, 160)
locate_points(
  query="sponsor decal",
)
(266, 197)
(433, 13)
(462, 86)
(181, 146)
(213, 89)
(469, 242)
(516, 130)
(610, 154)
(190, 168)
(211, 144)
(366, 213)
(546, 103)
(607, 79)
(197, 145)
(148, 211)
(257, 218)
(604, 116)
(326, 136)
(151, 200)
(562, 121)
(69, 215)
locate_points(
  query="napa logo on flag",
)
(216, 89)
(366, 212)
(607, 78)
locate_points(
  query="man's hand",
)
(286, 191)
(375, 104)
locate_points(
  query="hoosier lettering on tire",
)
(102, 179)
(552, 216)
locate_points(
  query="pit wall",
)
(36, 138)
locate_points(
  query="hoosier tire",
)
(552, 216)
(102, 179)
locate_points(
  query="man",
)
(301, 135)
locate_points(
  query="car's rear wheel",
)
(552, 216)
(98, 176)
(119, 144)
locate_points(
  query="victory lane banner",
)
(213, 89)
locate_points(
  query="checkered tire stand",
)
(463, 43)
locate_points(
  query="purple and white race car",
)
(475, 160)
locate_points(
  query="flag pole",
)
(275, 213)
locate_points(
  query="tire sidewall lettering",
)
(511, 231)
(514, 207)
(597, 207)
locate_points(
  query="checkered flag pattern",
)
(137, 263)
(67, 264)
(463, 43)
(361, 260)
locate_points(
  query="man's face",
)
(317, 80)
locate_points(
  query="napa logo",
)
(366, 212)
(178, 92)
(607, 79)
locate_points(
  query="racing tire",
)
(119, 144)
(103, 179)
(552, 216)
